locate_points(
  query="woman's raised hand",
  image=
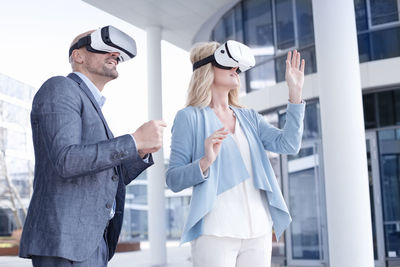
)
(212, 146)
(294, 76)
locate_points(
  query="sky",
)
(34, 42)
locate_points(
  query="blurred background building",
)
(271, 28)
(16, 153)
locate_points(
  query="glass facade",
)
(382, 111)
(273, 27)
(389, 153)
(270, 28)
(301, 178)
(16, 159)
(378, 28)
(135, 225)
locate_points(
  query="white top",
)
(242, 211)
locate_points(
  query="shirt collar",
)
(100, 99)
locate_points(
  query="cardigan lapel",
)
(260, 181)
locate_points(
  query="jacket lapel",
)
(85, 89)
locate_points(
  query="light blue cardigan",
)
(193, 125)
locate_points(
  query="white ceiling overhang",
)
(183, 22)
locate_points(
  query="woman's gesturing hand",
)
(294, 76)
(212, 146)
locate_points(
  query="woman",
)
(218, 148)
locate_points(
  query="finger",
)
(294, 58)
(220, 135)
(289, 55)
(303, 63)
(220, 130)
(287, 65)
(216, 141)
(298, 61)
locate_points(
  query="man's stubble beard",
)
(105, 72)
(111, 73)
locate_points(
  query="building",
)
(16, 159)
(343, 186)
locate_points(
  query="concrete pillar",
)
(343, 135)
(156, 173)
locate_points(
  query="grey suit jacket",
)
(80, 168)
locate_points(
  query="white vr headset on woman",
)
(106, 40)
(230, 55)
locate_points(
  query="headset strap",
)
(84, 41)
(203, 62)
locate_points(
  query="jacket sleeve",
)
(183, 172)
(133, 168)
(286, 140)
(56, 112)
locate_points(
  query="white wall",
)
(378, 73)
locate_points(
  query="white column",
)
(343, 135)
(155, 174)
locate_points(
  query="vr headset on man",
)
(230, 55)
(106, 40)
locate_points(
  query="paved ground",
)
(176, 256)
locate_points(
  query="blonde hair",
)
(199, 92)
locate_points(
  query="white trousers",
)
(213, 251)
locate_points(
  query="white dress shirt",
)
(242, 211)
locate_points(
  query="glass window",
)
(386, 107)
(280, 68)
(256, 24)
(305, 24)
(136, 194)
(230, 27)
(303, 198)
(257, 18)
(369, 111)
(225, 29)
(360, 9)
(238, 23)
(261, 76)
(311, 122)
(16, 89)
(138, 224)
(305, 206)
(259, 35)
(14, 114)
(390, 185)
(383, 11)
(308, 54)
(385, 43)
(219, 32)
(177, 210)
(16, 141)
(364, 47)
(16, 166)
(382, 109)
(397, 106)
(284, 24)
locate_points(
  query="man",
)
(81, 170)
